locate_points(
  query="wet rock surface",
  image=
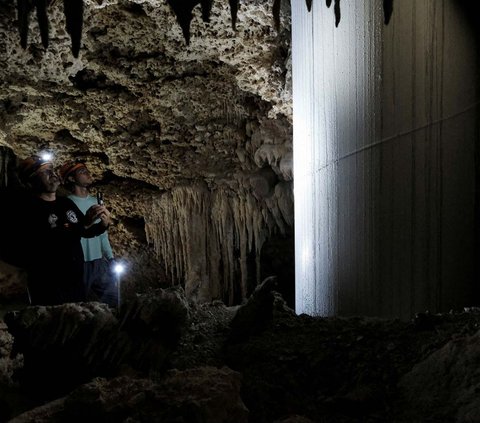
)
(289, 369)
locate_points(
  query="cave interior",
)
(357, 302)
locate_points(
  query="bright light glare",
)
(119, 268)
(47, 156)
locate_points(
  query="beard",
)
(47, 186)
(52, 186)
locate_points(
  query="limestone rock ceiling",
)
(152, 108)
(73, 11)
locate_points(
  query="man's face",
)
(82, 177)
(45, 179)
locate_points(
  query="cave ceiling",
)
(139, 103)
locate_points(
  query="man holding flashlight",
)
(50, 230)
(98, 274)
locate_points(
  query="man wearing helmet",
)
(50, 230)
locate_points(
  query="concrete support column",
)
(385, 130)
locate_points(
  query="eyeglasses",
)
(83, 171)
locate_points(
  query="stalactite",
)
(205, 237)
(5, 159)
(276, 13)
(42, 18)
(24, 7)
(234, 12)
(73, 10)
(183, 11)
(224, 236)
(206, 9)
(336, 9)
(231, 111)
(280, 204)
(387, 10)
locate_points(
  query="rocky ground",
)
(163, 359)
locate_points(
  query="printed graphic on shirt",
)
(72, 217)
(52, 219)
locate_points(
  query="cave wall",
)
(385, 140)
(153, 118)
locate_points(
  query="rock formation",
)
(258, 362)
(188, 142)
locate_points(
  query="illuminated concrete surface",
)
(384, 146)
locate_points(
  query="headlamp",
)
(46, 156)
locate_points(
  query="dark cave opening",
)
(278, 259)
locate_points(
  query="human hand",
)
(105, 218)
(97, 212)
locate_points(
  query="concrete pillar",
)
(385, 130)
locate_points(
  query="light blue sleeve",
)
(106, 248)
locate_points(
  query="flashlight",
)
(118, 269)
(99, 198)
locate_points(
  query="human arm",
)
(83, 225)
(90, 228)
(106, 247)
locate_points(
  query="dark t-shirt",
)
(50, 249)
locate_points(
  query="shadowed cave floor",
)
(259, 357)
